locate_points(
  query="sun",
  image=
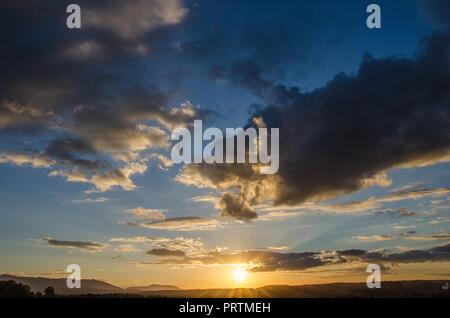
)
(240, 275)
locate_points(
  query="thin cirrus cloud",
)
(187, 223)
(91, 200)
(371, 205)
(154, 214)
(410, 235)
(415, 193)
(88, 246)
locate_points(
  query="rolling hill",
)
(88, 286)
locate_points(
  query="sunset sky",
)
(86, 116)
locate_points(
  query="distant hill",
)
(88, 286)
(400, 289)
(152, 287)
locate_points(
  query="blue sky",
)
(91, 88)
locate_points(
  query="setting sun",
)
(240, 274)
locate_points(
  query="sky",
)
(86, 116)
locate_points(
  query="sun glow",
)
(240, 275)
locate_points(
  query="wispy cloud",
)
(414, 194)
(372, 238)
(91, 200)
(165, 252)
(154, 214)
(89, 246)
(187, 223)
(189, 246)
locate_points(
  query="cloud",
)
(278, 248)
(84, 50)
(379, 238)
(436, 12)
(434, 254)
(268, 261)
(431, 237)
(187, 223)
(208, 198)
(134, 239)
(440, 220)
(280, 214)
(165, 162)
(136, 17)
(164, 252)
(105, 153)
(118, 177)
(402, 212)
(269, 212)
(84, 106)
(344, 208)
(374, 238)
(64, 150)
(125, 248)
(233, 206)
(414, 194)
(23, 159)
(338, 139)
(147, 213)
(91, 200)
(189, 246)
(90, 246)
(410, 235)
(13, 113)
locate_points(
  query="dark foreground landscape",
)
(30, 287)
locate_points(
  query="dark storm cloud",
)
(86, 101)
(235, 207)
(92, 246)
(222, 34)
(394, 112)
(165, 252)
(66, 150)
(101, 85)
(437, 12)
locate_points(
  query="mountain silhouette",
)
(389, 289)
(152, 287)
(96, 288)
(88, 286)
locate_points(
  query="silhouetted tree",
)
(49, 292)
(12, 289)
